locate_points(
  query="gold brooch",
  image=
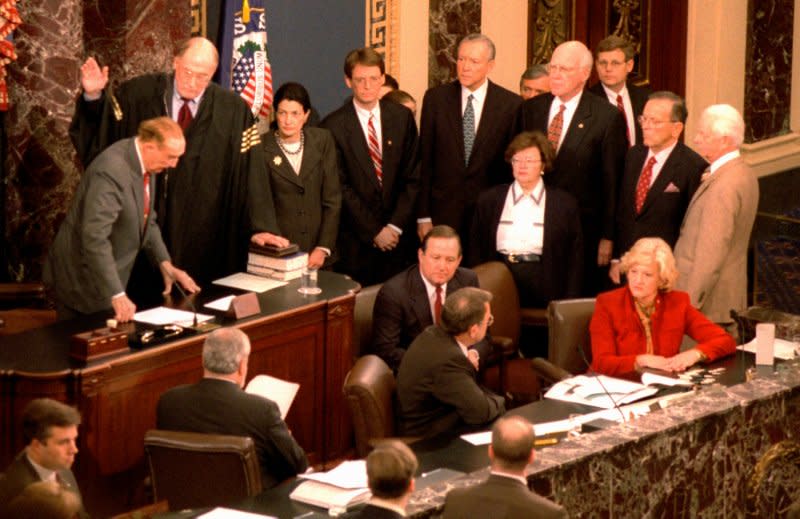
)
(277, 160)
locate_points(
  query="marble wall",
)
(132, 37)
(768, 69)
(449, 21)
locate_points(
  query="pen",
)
(545, 441)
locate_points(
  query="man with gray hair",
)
(711, 253)
(437, 390)
(534, 81)
(505, 495)
(588, 136)
(218, 405)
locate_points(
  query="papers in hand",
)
(587, 390)
(249, 282)
(279, 391)
(783, 349)
(162, 315)
(344, 486)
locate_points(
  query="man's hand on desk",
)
(123, 308)
(170, 274)
(267, 238)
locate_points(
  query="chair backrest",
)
(193, 470)
(568, 332)
(495, 277)
(145, 512)
(362, 319)
(369, 393)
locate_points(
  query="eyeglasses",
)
(525, 162)
(561, 69)
(368, 80)
(610, 64)
(649, 121)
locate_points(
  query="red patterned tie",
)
(437, 305)
(554, 131)
(374, 148)
(644, 184)
(621, 108)
(185, 114)
(146, 195)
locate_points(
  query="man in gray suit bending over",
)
(111, 219)
(505, 494)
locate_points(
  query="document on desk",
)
(344, 486)
(588, 390)
(229, 513)
(279, 391)
(162, 315)
(249, 282)
(785, 350)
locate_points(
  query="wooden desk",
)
(304, 339)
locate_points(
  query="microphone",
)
(600, 381)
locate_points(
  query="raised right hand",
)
(93, 78)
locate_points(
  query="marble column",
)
(132, 37)
(450, 20)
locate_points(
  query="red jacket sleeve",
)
(608, 354)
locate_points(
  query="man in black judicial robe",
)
(217, 199)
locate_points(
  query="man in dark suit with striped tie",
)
(376, 142)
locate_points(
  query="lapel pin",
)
(580, 125)
(277, 160)
(389, 142)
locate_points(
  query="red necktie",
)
(621, 108)
(185, 114)
(437, 305)
(374, 148)
(644, 184)
(554, 131)
(146, 195)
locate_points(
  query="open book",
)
(342, 487)
(279, 391)
(608, 392)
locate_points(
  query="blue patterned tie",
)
(469, 129)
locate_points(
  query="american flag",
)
(251, 73)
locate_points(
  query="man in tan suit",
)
(711, 252)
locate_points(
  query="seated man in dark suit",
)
(505, 495)
(50, 430)
(390, 472)
(437, 391)
(410, 301)
(218, 405)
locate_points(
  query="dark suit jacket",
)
(450, 188)
(639, 97)
(220, 407)
(499, 497)
(562, 248)
(589, 162)
(373, 512)
(402, 311)
(666, 201)
(437, 390)
(21, 473)
(95, 248)
(369, 205)
(307, 205)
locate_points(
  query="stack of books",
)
(283, 264)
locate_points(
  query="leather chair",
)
(568, 334)
(193, 470)
(145, 512)
(362, 319)
(369, 394)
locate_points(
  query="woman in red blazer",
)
(642, 325)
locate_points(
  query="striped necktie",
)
(374, 148)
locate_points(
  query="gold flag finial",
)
(245, 12)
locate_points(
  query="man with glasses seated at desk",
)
(437, 391)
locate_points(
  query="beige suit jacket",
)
(711, 252)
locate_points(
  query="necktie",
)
(185, 114)
(644, 184)
(621, 108)
(374, 148)
(469, 129)
(146, 195)
(554, 131)
(437, 305)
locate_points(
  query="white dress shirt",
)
(521, 227)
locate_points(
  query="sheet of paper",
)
(349, 474)
(222, 304)
(783, 349)
(249, 282)
(279, 391)
(654, 378)
(229, 513)
(478, 438)
(162, 315)
(594, 391)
